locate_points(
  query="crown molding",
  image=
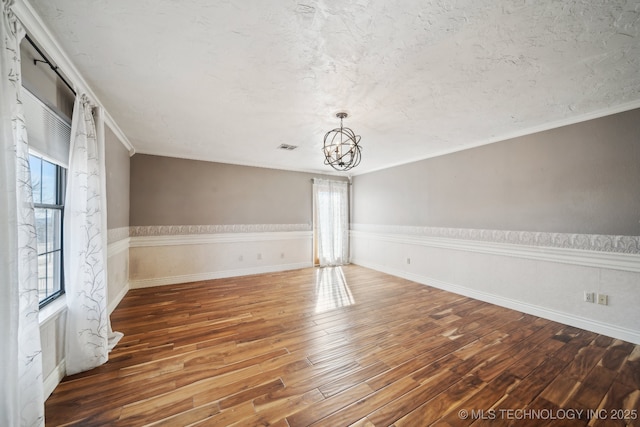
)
(34, 24)
(175, 154)
(567, 121)
(43, 36)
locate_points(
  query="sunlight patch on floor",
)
(332, 290)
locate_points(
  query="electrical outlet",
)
(603, 299)
(282, 255)
(240, 258)
(259, 256)
(408, 260)
(589, 297)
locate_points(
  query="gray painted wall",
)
(582, 178)
(171, 191)
(117, 165)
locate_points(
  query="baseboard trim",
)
(54, 378)
(113, 304)
(211, 275)
(535, 310)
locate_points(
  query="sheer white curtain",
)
(89, 337)
(21, 390)
(331, 204)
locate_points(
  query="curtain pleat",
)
(88, 331)
(21, 390)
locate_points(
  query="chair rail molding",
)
(592, 250)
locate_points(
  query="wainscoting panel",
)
(157, 258)
(118, 278)
(52, 327)
(117, 265)
(541, 280)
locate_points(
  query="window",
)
(48, 180)
(49, 135)
(331, 222)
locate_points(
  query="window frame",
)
(60, 188)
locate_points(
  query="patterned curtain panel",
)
(21, 390)
(331, 202)
(88, 333)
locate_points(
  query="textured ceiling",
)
(229, 81)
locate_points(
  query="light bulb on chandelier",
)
(341, 147)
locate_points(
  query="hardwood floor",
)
(315, 347)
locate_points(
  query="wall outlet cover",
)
(603, 299)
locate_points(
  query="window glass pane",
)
(49, 183)
(47, 179)
(53, 272)
(42, 276)
(54, 235)
(57, 235)
(62, 179)
(41, 229)
(35, 164)
(50, 270)
(56, 272)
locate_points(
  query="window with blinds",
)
(49, 137)
(49, 134)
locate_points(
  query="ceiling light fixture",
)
(341, 149)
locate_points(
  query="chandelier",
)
(341, 149)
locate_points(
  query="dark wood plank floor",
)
(344, 347)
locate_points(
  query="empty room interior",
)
(280, 213)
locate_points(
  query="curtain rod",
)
(334, 180)
(48, 62)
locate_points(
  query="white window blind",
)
(48, 133)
